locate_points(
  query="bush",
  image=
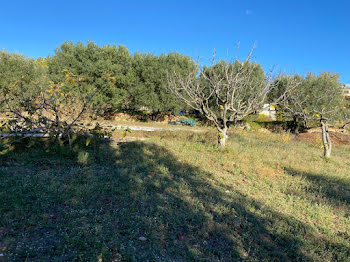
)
(253, 125)
(188, 122)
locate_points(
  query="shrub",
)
(188, 122)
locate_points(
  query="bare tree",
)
(226, 92)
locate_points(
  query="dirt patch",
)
(267, 171)
(159, 118)
(315, 137)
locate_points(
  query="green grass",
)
(264, 197)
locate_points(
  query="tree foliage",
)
(21, 81)
(151, 90)
(102, 68)
(316, 99)
(52, 93)
(37, 106)
(137, 81)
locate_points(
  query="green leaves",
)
(316, 96)
(124, 81)
(21, 79)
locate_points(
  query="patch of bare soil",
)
(337, 138)
(155, 118)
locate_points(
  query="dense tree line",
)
(53, 92)
(139, 80)
(48, 95)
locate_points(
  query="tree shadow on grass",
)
(91, 204)
(335, 190)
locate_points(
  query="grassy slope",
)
(264, 198)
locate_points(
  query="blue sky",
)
(297, 36)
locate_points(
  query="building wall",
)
(346, 92)
(270, 111)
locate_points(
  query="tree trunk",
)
(326, 140)
(306, 125)
(222, 136)
(296, 125)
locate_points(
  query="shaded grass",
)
(264, 197)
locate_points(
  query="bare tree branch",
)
(225, 92)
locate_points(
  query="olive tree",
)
(95, 64)
(325, 103)
(225, 92)
(151, 90)
(22, 81)
(317, 98)
(36, 105)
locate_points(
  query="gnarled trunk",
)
(295, 125)
(326, 140)
(222, 136)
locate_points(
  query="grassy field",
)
(176, 197)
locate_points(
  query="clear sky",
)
(297, 36)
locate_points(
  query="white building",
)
(269, 111)
(346, 91)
